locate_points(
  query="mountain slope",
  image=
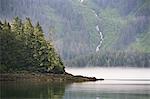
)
(123, 23)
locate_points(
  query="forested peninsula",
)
(27, 55)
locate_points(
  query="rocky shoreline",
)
(45, 77)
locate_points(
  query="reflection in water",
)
(19, 90)
(87, 90)
(102, 90)
(119, 83)
(135, 84)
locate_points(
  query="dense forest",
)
(112, 59)
(125, 25)
(23, 47)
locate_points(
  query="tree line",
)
(113, 59)
(122, 22)
(24, 47)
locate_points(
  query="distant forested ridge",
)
(125, 25)
(23, 47)
(112, 59)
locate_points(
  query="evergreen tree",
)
(45, 53)
(39, 44)
(28, 31)
(23, 46)
(1, 25)
(6, 27)
(8, 47)
(17, 27)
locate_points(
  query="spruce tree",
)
(39, 44)
(8, 47)
(17, 27)
(29, 37)
(28, 31)
(24, 47)
(1, 24)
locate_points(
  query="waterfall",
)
(81, 1)
(98, 30)
(95, 14)
(100, 33)
(101, 38)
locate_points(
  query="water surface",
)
(120, 83)
(113, 73)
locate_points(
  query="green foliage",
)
(23, 46)
(142, 43)
(124, 24)
(113, 59)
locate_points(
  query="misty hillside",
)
(124, 24)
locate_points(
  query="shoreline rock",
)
(46, 77)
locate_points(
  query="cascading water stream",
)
(98, 30)
(101, 38)
(81, 1)
(100, 33)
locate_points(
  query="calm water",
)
(120, 83)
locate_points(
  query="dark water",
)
(23, 90)
(108, 89)
(88, 90)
